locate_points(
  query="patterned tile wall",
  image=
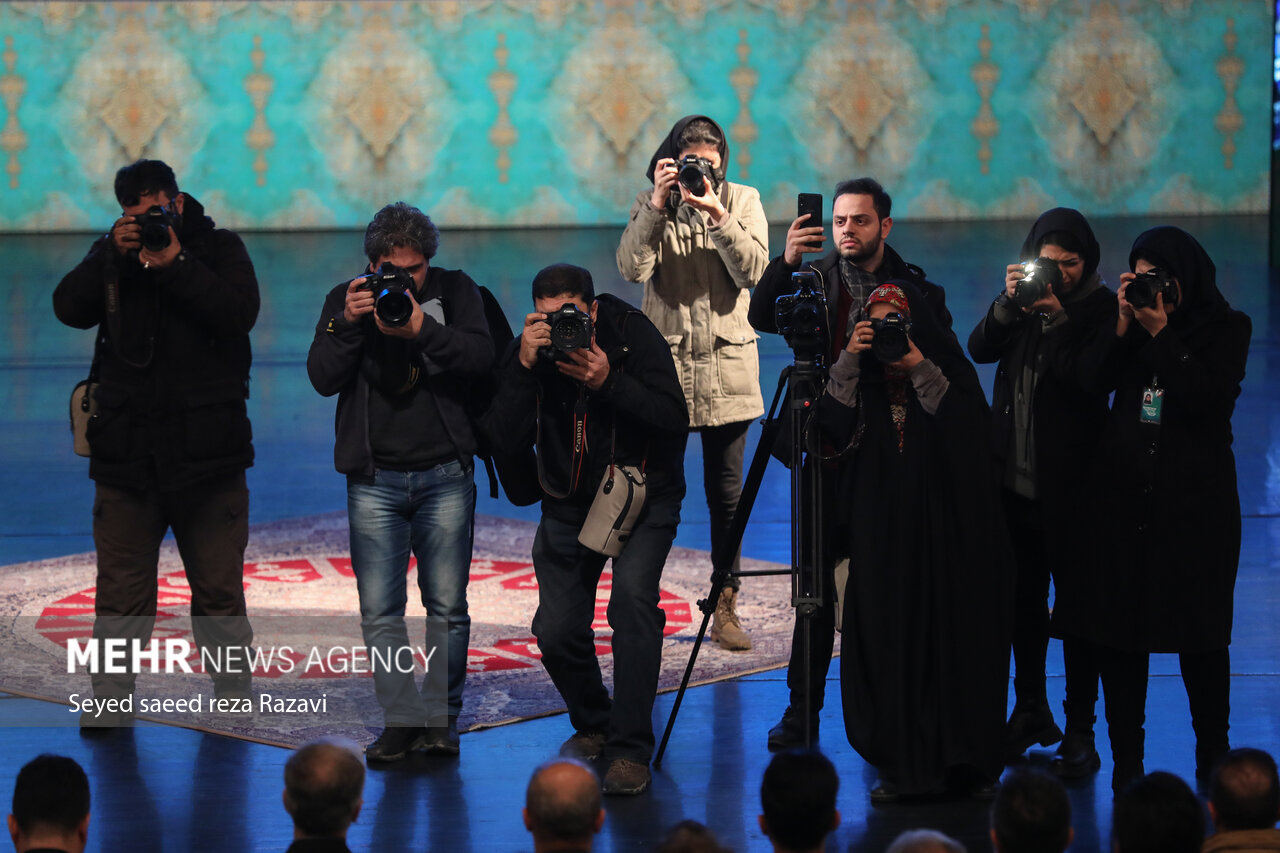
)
(533, 112)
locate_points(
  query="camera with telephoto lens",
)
(155, 223)
(889, 337)
(1038, 276)
(690, 172)
(801, 316)
(1141, 292)
(570, 330)
(393, 304)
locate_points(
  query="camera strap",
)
(579, 456)
(112, 285)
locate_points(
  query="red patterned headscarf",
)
(892, 294)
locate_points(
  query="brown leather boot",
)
(725, 627)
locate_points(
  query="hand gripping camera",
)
(155, 223)
(393, 305)
(1038, 276)
(1141, 292)
(690, 172)
(889, 337)
(570, 330)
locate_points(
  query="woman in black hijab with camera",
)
(1164, 574)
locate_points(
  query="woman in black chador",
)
(926, 607)
(1163, 574)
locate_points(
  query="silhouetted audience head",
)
(562, 806)
(689, 836)
(1031, 814)
(798, 800)
(1245, 791)
(323, 789)
(50, 806)
(1158, 813)
(925, 841)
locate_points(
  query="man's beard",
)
(868, 250)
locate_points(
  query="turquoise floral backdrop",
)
(498, 113)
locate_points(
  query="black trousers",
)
(210, 524)
(723, 448)
(1025, 520)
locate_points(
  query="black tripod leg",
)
(720, 572)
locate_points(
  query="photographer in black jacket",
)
(401, 346)
(174, 299)
(613, 401)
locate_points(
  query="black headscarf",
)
(670, 146)
(1177, 252)
(1072, 222)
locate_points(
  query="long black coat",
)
(1161, 572)
(926, 614)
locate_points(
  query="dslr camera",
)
(570, 330)
(393, 304)
(690, 172)
(1038, 276)
(155, 222)
(1141, 292)
(801, 316)
(889, 337)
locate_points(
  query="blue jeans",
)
(431, 513)
(568, 574)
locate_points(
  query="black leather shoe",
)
(442, 739)
(1076, 757)
(395, 743)
(789, 732)
(1028, 727)
(885, 792)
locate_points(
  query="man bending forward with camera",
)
(590, 382)
(401, 346)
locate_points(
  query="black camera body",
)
(801, 316)
(690, 172)
(890, 337)
(1038, 276)
(571, 329)
(154, 223)
(393, 304)
(1141, 292)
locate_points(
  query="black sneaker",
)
(442, 739)
(395, 743)
(625, 778)
(789, 732)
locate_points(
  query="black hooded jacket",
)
(173, 383)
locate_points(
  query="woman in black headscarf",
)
(1164, 573)
(1044, 432)
(926, 607)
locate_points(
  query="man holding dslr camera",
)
(174, 299)
(401, 346)
(590, 383)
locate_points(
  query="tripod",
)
(802, 382)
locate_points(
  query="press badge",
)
(1152, 403)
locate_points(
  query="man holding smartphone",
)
(699, 243)
(859, 263)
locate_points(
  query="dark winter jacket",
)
(1163, 573)
(171, 399)
(344, 357)
(641, 399)
(776, 282)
